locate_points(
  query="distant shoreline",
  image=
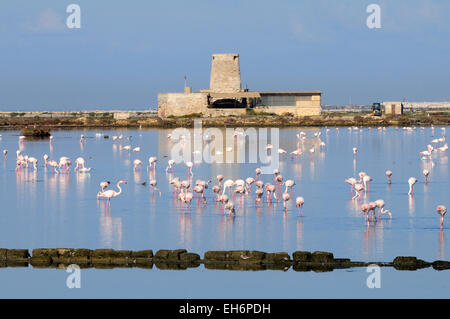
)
(150, 119)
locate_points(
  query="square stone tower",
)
(225, 73)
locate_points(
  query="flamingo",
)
(271, 190)
(153, 185)
(137, 163)
(389, 174)
(5, 152)
(249, 181)
(366, 180)
(112, 193)
(441, 210)
(355, 151)
(136, 149)
(230, 208)
(189, 166)
(299, 201)
(259, 195)
(33, 161)
(426, 173)
(53, 164)
(358, 189)
(45, 159)
(258, 172)
(104, 185)
(286, 198)
(79, 163)
(352, 181)
(411, 181)
(380, 204)
(289, 185)
(152, 163)
(227, 184)
(170, 164)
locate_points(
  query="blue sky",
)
(128, 51)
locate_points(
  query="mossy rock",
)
(162, 254)
(409, 263)
(302, 256)
(40, 261)
(3, 253)
(441, 265)
(45, 252)
(174, 255)
(280, 257)
(216, 255)
(189, 257)
(322, 257)
(142, 254)
(17, 254)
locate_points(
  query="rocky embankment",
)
(180, 259)
(149, 119)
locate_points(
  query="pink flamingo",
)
(79, 163)
(441, 210)
(358, 189)
(259, 195)
(426, 173)
(112, 193)
(258, 172)
(389, 174)
(189, 166)
(411, 181)
(299, 201)
(137, 163)
(152, 163)
(230, 208)
(352, 181)
(153, 185)
(380, 204)
(170, 164)
(286, 198)
(45, 160)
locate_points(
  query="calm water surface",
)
(40, 209)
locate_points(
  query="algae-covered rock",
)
(409, 263)
(441, 265)
(302, 256)
(143, 254)
(281, 257)
(322, 257)
(3, 253)
(216, 255)
(40, 261)
(189, 257)
(174, 255)
(45, 252)
(162, 254)
(17, 254)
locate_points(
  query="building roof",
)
(289, 92)
(235, 95)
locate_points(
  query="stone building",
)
(225, 96)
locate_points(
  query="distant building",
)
(394, 108)
(225, 96)
(397, 108)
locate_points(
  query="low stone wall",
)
(78, 114)
(286, 110)
(182, 259)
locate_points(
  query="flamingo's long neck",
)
(120, 189)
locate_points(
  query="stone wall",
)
(225, 73)
(295, 110)
(180, 104)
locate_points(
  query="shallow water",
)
(40, 209)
